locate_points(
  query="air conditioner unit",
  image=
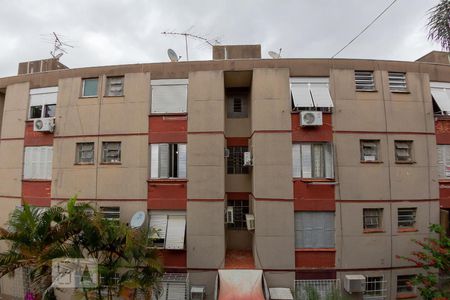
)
(311, 118)
(354, 283)
(226, 152)
(198, 293)
(250, 220)
(247, 159)
(45, 124)
(229, 216)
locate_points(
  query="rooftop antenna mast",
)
(190, 35)
(59, 47)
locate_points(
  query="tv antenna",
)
(59, 47)
(275, 55)
(192, 36)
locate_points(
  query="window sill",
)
(88, 97)
(315, 180)
(444, 180)
(36, 180)
(399, 92)
(110, 163)
(168, 114)
(162, 180)
(407, 230)
(371, 162)
(315, 250)
(295, 112)
(84, 164)
(118, 96)
(406, 296)
(405, 162)
(374, 231)
(370, 91)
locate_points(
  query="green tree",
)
(439, 24)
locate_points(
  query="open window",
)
(440, 92)
(311, 93)
(43, 103)
(312, 160)
(167, 229)
(168, 161)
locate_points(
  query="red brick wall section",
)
(237, 141)
(310, 197)
(167, 129)
(168, 194)
(442, 127)
(315, 258)
(322, 133)
(315, 274)
(173, 259)
(444, 194)
(36, 193)
(36, 138)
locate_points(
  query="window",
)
(235, 160)
(364, 81)
(372, 218)
(370, 150)
(375, 289)
(443, 161)
(314, 230)
(397, 82)
(114, 86)
(403, 152)
(169, 96)
(404, 284)
(90, 87)
(111, 213)
(38, 163)
(237, 102)
(167, 229)
(43, 103)
(84, 153)
(440, 92)
(168, 161)
(312, 160)
(406, 217)
(311, 93)
(240, 209)
(111, 152)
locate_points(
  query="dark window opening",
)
(235, 161)
(49, 110)
(240, 209)
(36, 112)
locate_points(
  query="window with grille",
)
(370, 150)
(240, 209)
(84, 153)
(313, 160)
(397, 82)
(406, 217)
(90, 87)
(114, 86)
(403, 152)
(373, 218)
(167, 229)
(375, 288)
(111, 152)
(235, 160)
(168, 161)
(404, 284)
(38, 163)
(43, 103)
(314, 230)
(110, 213)
(364, 81)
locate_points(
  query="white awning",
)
(441, 94)
(301, 95)
(176, 228)
(321, 95)
(311, 92)
(241, 284)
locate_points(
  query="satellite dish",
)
(275, 55)
(172, 55)
(137, 220)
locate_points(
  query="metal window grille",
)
(85, 153)
(114, 86)
(364, 81)
(403, 151)
(111, 152)
(372, 218)
(240, 209)
(397, 81)
(235, 161)
(173, 286)
(369, 150)
(237, 105)
(404, 284)
(324, 289)
(406, 217)
(375, 288)
(111, 213)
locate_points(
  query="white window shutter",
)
(48, 162)
(329, 164)
(447, 161)
(164, 160)
(441, 160)
(175, 291)
(321, 95)
(176, 228)
(318, 160)
(169, 96)
(154, 160)
(28, 163)
(306, 161)
(158, 223)
(296, 161)
(181, 161)
(301, 95)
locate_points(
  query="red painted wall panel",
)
(444, 194)
(167, 129)
(36, 193)
(442, 127)
(315, 274)
(322, 133)
(314, 259)
(173, 259)
(36, 138)
(167, 194)
(237, 141)
(310, 197)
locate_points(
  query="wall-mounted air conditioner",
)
(198, 293)
(354, 283)
(229, 215)
(250, 220)
(44, 124)
(311, 118)
(226, 152)
(247, 159)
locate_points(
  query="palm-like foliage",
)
(439, 24)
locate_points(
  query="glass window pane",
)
(90, 87)
(50, 110)
(36, 112)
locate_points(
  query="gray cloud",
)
(108, 32)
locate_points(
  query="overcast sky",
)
(106, 32)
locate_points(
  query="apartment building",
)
(310, 171)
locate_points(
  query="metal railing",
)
(316, 289)
(174, 286)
